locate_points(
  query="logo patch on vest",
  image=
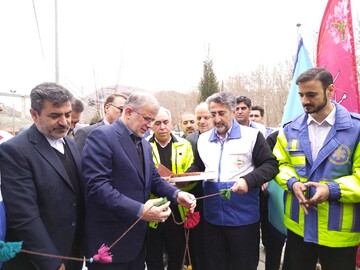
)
(238, 162)
(341, 155)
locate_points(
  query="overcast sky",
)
(154, 45)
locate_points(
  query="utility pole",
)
(56, 45)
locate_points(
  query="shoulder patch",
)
(341, 155)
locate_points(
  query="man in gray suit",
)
(113, 108)
(42, 185)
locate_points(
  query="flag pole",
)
(298, 25)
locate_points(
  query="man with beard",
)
(319, 161)
(242, 162)
(42, 185)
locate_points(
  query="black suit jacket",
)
(42, 209)
(82, 133)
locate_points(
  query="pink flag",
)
(336, 52)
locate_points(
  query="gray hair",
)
(227, 98)
(136, 100)
(163, 109)
(202, 105)
(53, 92)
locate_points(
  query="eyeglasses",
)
(119, 108)
(146, 118)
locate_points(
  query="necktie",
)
(138, 145)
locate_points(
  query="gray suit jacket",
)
(42, 207)
(82, 133)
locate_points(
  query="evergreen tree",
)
(208, 84)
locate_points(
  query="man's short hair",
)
(185, 114)
(110, 98)
(245, 100)
(317, 73)
(77, 106)
(138, 99)
(227, 98)
(258, 108)
(52, 92)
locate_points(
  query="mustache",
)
(62, 127)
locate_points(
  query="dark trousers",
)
(304, 256)
(196, 241)
(274, 248)
(264, 217)
(230, 248)
(170, 237)
(137, 264)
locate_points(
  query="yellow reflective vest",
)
(181, 159)
(336, 222)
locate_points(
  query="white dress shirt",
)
(319, 131)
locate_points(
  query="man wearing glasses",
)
(119, 175)
(113, 108)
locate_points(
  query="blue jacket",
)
(336, 223)
(116, 189)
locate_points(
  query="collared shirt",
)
(57, 144)
(106, 122)
(221, 139)
(161, 144)
(319, 131)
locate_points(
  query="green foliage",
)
(208, 84)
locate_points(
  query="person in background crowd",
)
(120, 174)
(242, 114)
(242, 161)
(188, 124)
(176, 154)
(319, 161)
(42, 185)
(113, 108)
(77, 107)
(257, 115)
(204, 122)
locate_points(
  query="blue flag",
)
(293, 105)
(292, 109)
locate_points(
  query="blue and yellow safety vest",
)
(336, 222)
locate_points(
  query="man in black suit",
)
(113, 108)
(42, 185)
